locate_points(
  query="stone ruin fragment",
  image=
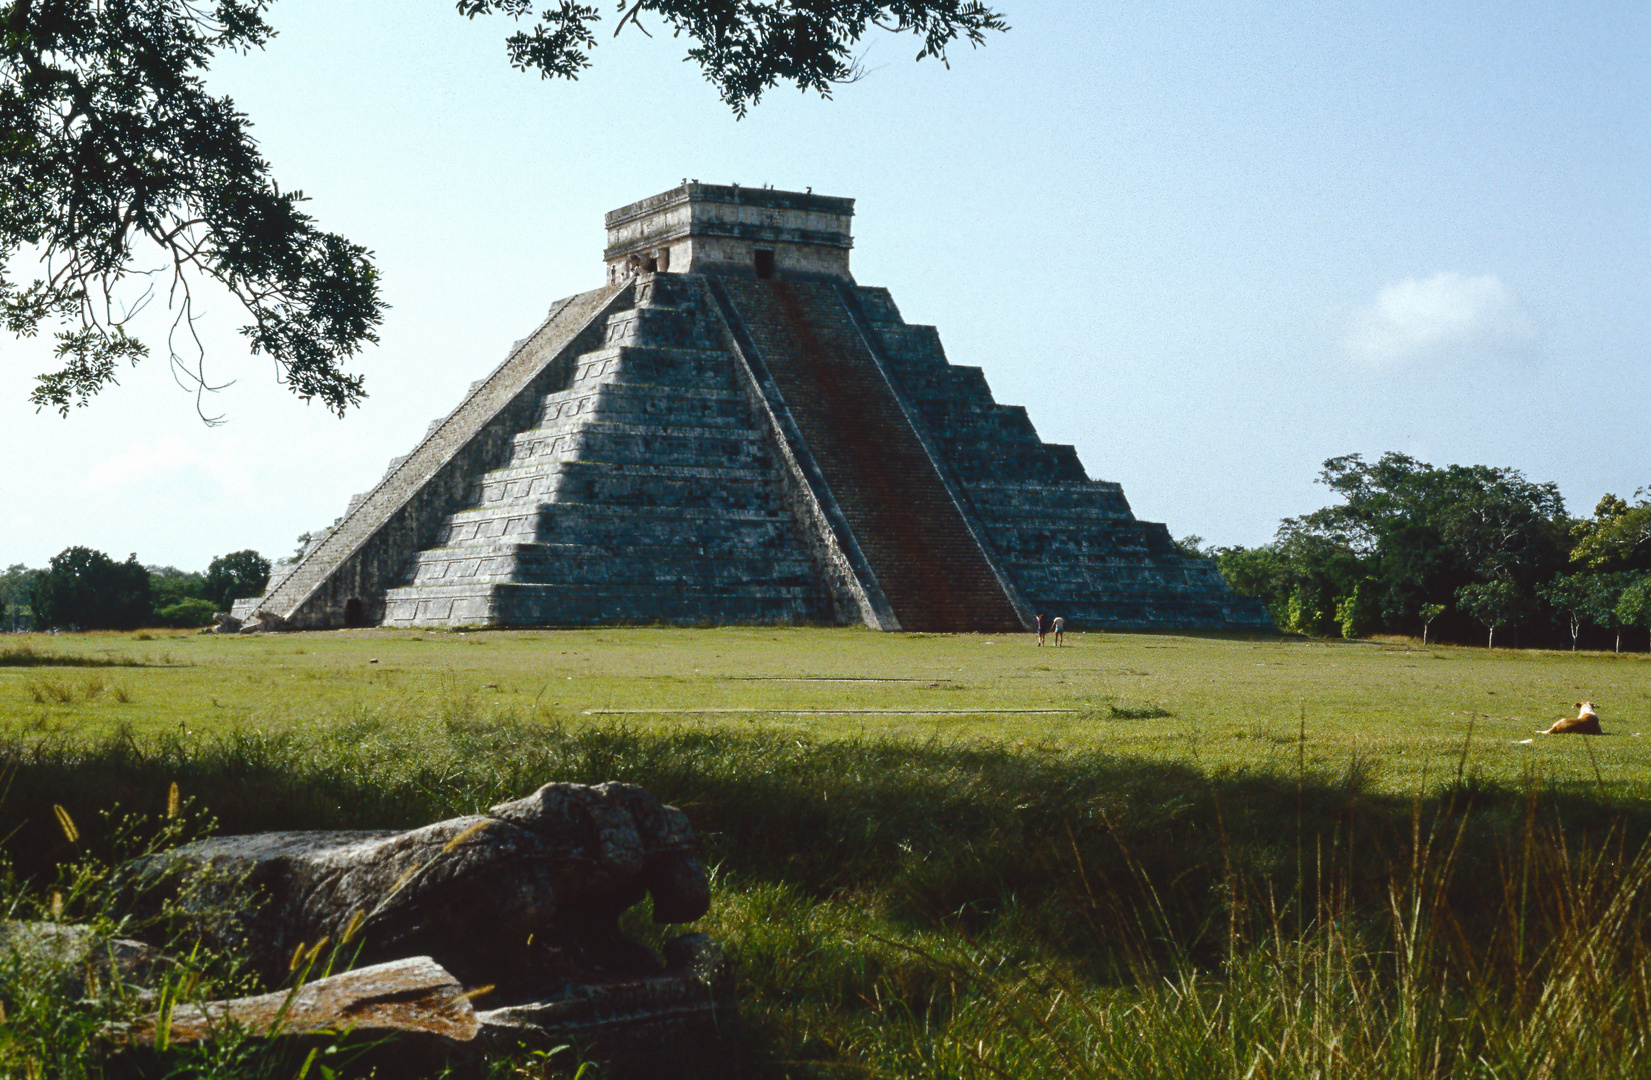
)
(484, 932)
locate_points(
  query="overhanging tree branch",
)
(110, 143)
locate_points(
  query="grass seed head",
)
(67, 823)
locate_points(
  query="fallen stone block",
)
(416, 996)
(405, 1018)
(517, 908)
(528, 892)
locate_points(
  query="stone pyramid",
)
(732, 430)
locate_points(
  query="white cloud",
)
(1446, 311)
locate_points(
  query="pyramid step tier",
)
(600, 524)
(620, 402)
(640, 444)
(522, 604)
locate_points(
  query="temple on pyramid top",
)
(751, 232)
(731, 429)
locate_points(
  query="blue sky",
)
(1210, 245)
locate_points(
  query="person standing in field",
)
(1059, 626)
(1040, 628)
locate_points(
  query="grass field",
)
(1401, 712)
(946, 857)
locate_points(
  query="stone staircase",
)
(643, 491)
(341, 578)
(915, 536)
(1070, 544)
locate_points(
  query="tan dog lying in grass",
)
(1585, 722)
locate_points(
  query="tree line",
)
(84, 589)
(1462, 552)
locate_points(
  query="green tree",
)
(1418, 531)
(1634, 605)
(235, 576)
(1299, 577)
(1494, 603)
(1618, 537)
(1192, 546)
(179, 597)
(115, 157)
(83, 589)
(16, 590)
(1604, 593)
(168, 585)
(1572, 596)
(1586, 598)
(1427, 613)
(187, 613)
(1257, 571)
(1356, 613)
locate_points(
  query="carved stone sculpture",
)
(520, 905)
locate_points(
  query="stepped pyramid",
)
(732, 430)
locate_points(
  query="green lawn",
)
(952, 857)
(1402, 712)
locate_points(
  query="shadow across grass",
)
(1081, 850)
(966, 909)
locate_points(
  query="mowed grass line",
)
(1403, 714)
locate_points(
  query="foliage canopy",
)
(83, 589)
(746, 47)
(1405, 540)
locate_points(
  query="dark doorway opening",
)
(353, 613)
(765, 262)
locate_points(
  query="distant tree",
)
(235, 576)
(16, 587)
(1192, 546)
(1634, 605)
(1573, 596)
(1618, 537)
(1417, 531)
(83, 589)
(1356, 613)
(1494, 603)
(1600, 603)
(303, 542)
(1429, 612)
(168, 585)
(1298, 576)
(187, 613)
(1257, 571)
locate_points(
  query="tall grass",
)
(25, 654)
(962, 910)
